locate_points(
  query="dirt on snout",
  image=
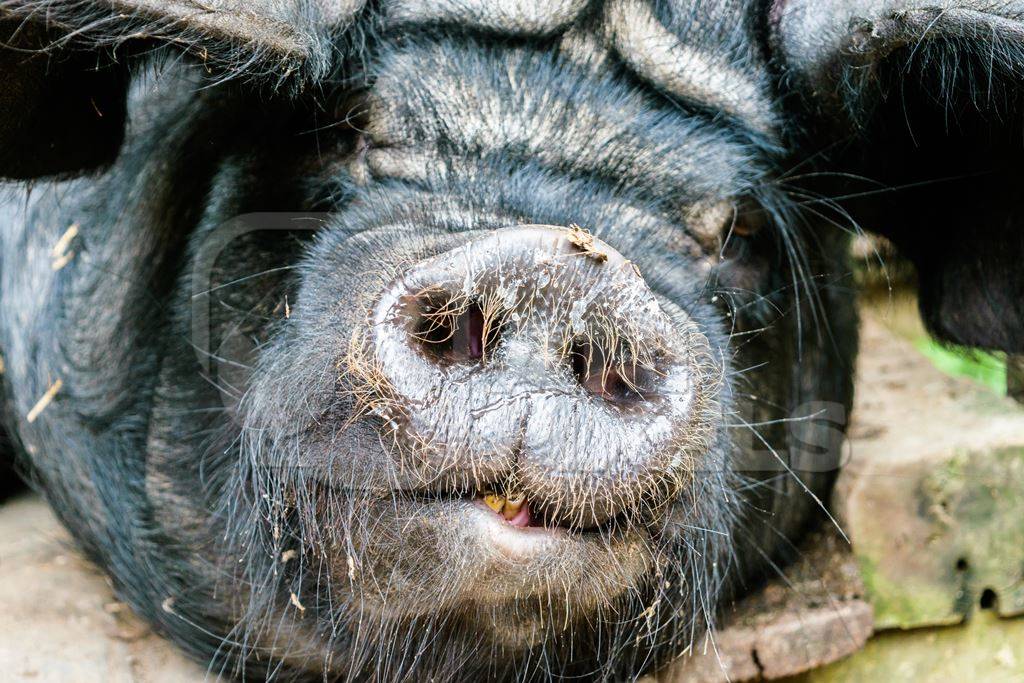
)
(583, 240)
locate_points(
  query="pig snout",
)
(535, 369)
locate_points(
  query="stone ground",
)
(59, 620)
(934, 501)
(986, 648)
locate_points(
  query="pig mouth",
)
(516, 509)
(487, 548)
(512, 507)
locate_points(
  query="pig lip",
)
(518, 543)
(538, 519)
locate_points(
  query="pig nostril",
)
(456, 333)
(619, 381)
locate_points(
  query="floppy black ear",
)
(63, 79)
(926, 98)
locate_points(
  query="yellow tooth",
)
(512, 505)
(494, 501)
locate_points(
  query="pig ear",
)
(926, 97)
(62, 102)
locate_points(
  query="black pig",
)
(419, 340)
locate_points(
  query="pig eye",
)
(457, 333)
(748, 221)
(621, 380)
(714, 226)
